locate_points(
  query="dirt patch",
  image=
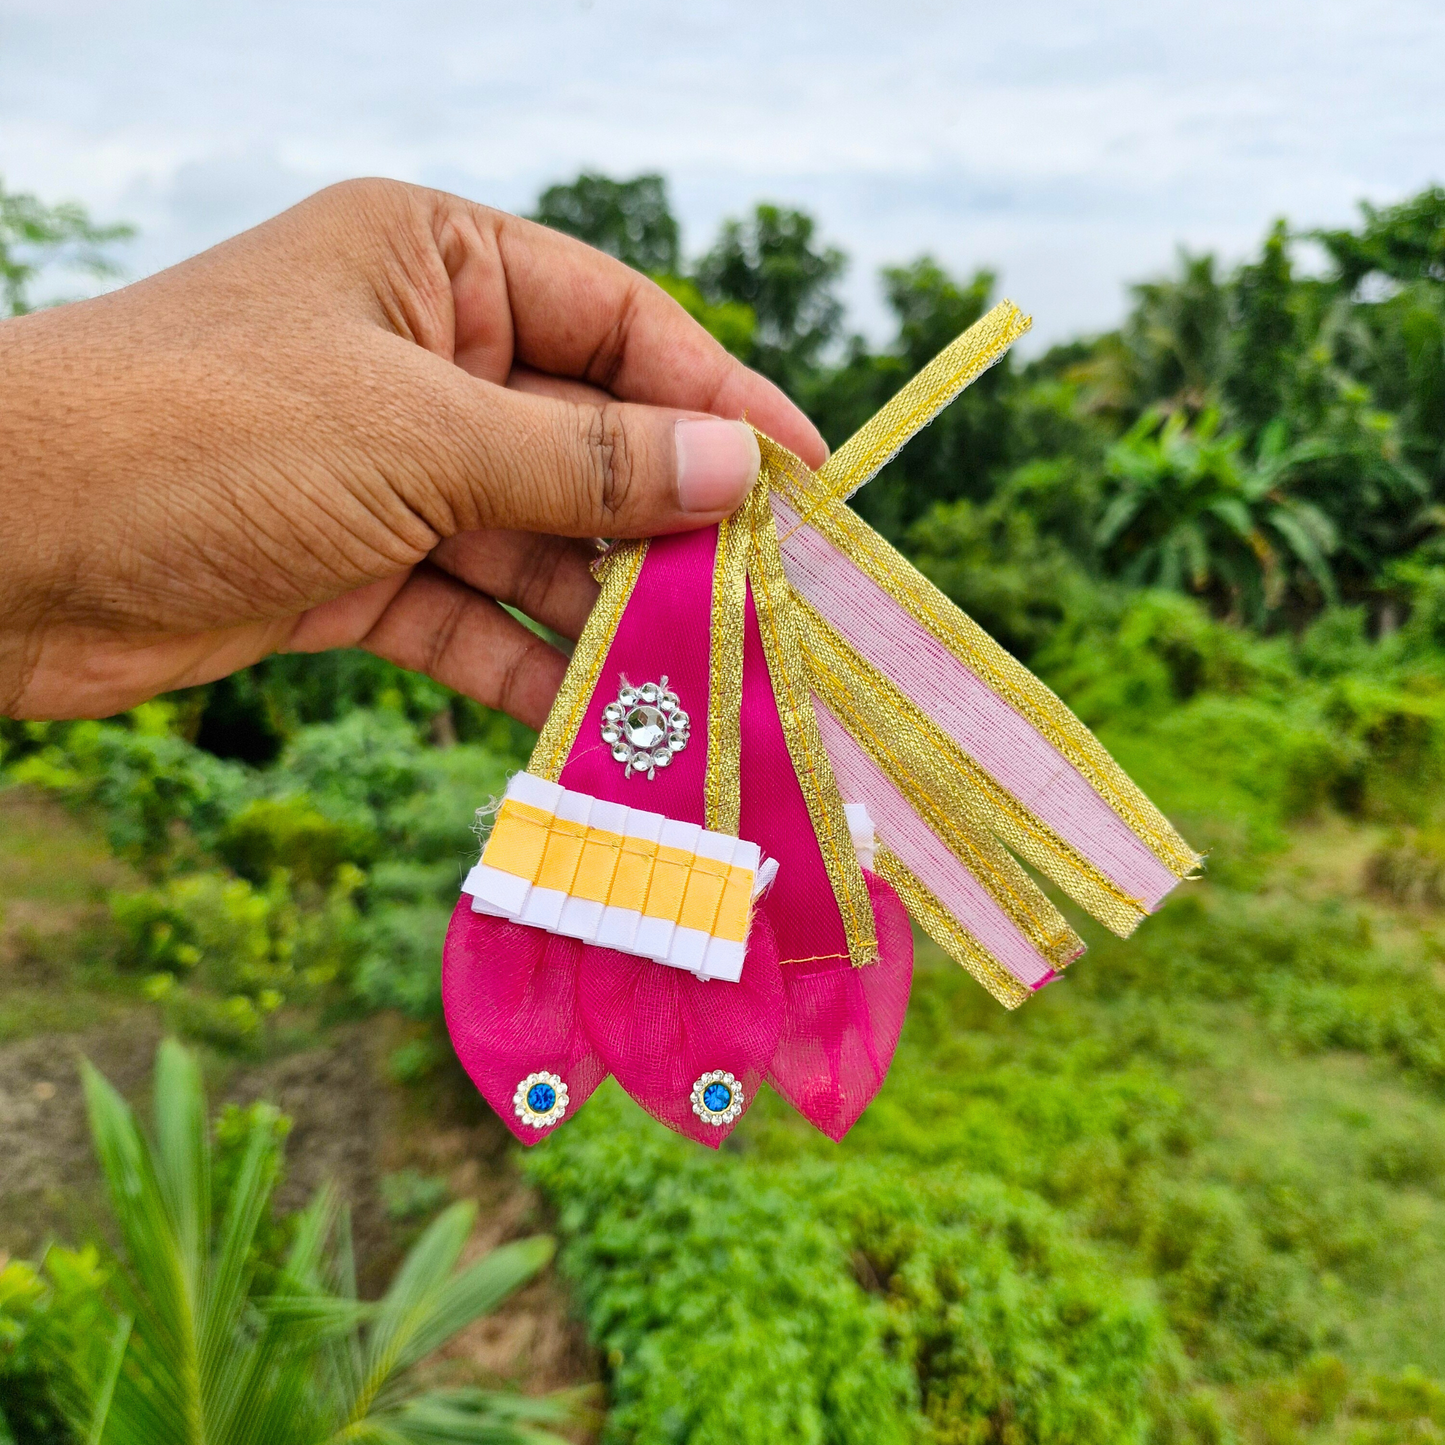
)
(48, 1176)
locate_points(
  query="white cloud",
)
(1068, 146)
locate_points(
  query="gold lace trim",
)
(723, 782)
(773, 599)
(945, 930)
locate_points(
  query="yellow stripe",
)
(518, 840)
(634, 873)
(620, 872)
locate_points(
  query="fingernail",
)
(717, 463)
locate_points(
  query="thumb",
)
(592, 467)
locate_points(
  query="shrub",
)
(725, 1307)
(1015, 1331)
(154, 791)
(289, 833)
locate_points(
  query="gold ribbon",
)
(968, 810)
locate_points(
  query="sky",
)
(1068, 147)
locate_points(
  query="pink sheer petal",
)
(842, 1023)
(659, 1030)
(510, 994)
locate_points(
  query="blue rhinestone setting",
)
(540, 1100)
(717, 1098)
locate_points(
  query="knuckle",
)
(444, 636)
(611, 461)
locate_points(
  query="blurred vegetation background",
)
(1193, 1193)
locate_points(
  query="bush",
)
(155, 792)
(290, 834)
(1014, 1330)
(725, 1307)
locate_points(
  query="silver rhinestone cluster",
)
(645, 727)
(729, 1111)
(526, 1111)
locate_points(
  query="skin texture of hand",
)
(365, 423)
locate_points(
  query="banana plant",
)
(192, 1351)
(1188, 512)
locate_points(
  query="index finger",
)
(577, 312)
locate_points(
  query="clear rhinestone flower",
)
(645, 727)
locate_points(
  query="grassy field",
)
(1195, 1191)
(1160, 1201)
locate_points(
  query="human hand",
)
(365, 423)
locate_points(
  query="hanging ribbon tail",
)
(775, 740)
(510, 997)
(966, 762)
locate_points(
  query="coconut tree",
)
(1188, 512)
(199, 1346)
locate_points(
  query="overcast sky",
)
(1069, 146)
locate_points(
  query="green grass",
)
(1193, 1192)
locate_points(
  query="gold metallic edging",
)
(618, 574)
(992, 866)
(936, 775)
(955, 940)
(772, 598)
(845, 531)
(885, 434)
(722, 785)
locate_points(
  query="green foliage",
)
(155, 792)
(1176, 333)
(771, 264)
(179, 1345)
(631, 220)
(222, 954)
(1000, 1312)
(1186, 514)
(46, 1315)
(727, 1313)
(1405, 242)
(268, 834)
(34, 236)
(409, 1195)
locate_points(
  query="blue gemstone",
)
(541, 1097)
(717, 1097)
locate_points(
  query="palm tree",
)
(193, 1352)
(1189, 513)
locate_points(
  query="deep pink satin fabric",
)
(821, 1031)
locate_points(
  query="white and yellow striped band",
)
(620, 878)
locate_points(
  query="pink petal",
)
(842, 1023)
(510, 995)
(659, 1029)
